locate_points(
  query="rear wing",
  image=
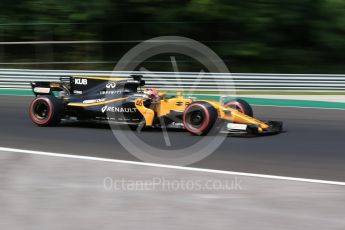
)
(47, 88)
(78, 84)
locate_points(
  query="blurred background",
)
(286, 36)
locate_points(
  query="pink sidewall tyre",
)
(45, 111)
(240, 105)
(199, 118)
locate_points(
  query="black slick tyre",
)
(240, 105)
(46, 111)
(199, 118)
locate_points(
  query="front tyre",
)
(46, 111)
(199, 118)
(240, 105)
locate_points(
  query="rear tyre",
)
(240, 105)
(199, 118)
(46, 111)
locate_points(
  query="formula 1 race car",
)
(123, 101)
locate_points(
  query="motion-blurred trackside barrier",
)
(197, 82)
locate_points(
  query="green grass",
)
(16, 92)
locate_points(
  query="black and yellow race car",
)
(125, 101)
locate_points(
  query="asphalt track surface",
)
(312, 146)
(44, 192)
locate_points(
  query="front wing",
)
(275, 127)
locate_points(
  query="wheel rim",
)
(196, 119)
(41, 111)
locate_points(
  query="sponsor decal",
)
(233, 126)
(41, 90)
(93, 101)
(111, 85)
(118, 109)
(80, 81)
(111, 92)
(77, 92)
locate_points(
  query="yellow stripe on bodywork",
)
(102, 78)
(97, 103)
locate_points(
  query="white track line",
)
(171, 166)
(297, 107)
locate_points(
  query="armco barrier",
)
(211, 82)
